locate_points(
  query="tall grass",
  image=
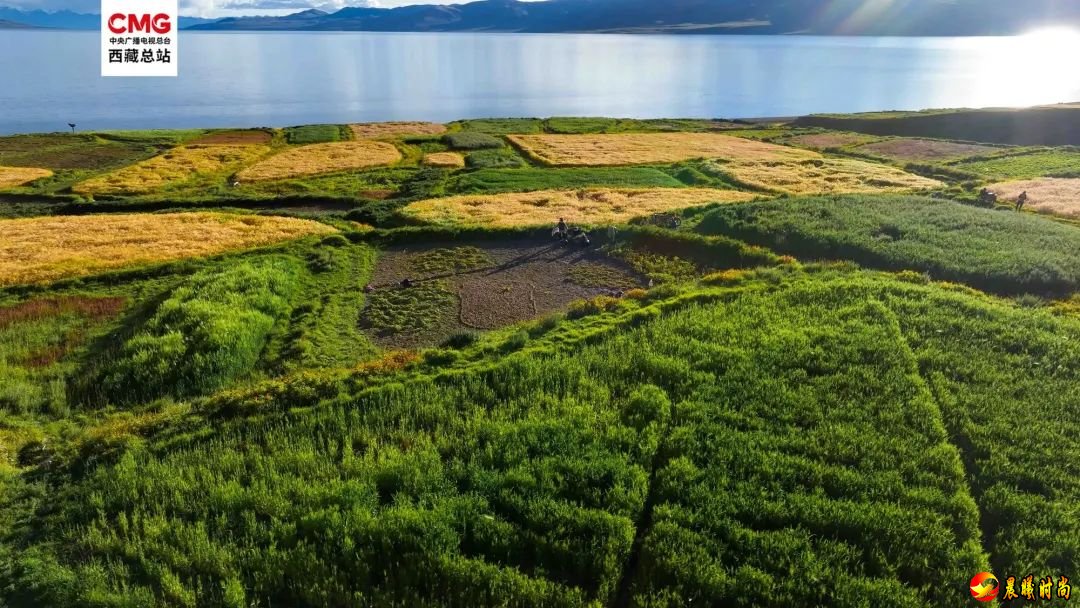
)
(316, 134)
(998, 251)
(209, 332)
(667, 455)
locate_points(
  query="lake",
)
(276, 79)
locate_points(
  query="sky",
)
(224, 8)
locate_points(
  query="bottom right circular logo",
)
(984, 587)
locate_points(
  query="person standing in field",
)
(1021, 200)
(561, 229)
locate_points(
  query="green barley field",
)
(849, 399)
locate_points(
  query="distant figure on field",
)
(560, 230)
(987, 197)
(407, 282)
(1021, 200)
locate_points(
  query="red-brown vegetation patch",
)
(89, 307)
(245, 137)
(924, 149)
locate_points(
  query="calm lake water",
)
(279, 79)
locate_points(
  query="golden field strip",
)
(647, 148)
(825, 176)
(1055, 195)
(377, 130)
(322, 158)
(445, 160)
(171, 169)
(587, 206)
(48, 248)
(11, 177)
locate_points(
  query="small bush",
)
(321, 261)
(597, 305)
(439, 356)
(725, 277)
(335, 240)
(546, 324)
(515, 342)
(463, 339)
(911, 276)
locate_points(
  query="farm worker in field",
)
(560, 229)
(1021, 200)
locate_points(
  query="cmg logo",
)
(129, 23)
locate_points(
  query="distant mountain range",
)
(855, 17)
(65, 20)
(825, 17)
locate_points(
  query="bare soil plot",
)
(825, 176)
(243, 137)
(915, 150)
(55, 247)
(824, 141)
(1054, 195)
(516, 282)
(11, 177)
(445, 160)
(378, 130)
(322, 158)
(171, 169)
(645, 148)
(590, 206)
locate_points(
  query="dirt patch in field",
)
(246, 137)
(377, 130)
(1053, 195)
(11, 177)
(591, 206)
(646, 148)
(824, 141)
(924, 149)
(316, 159)
(516, 282)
